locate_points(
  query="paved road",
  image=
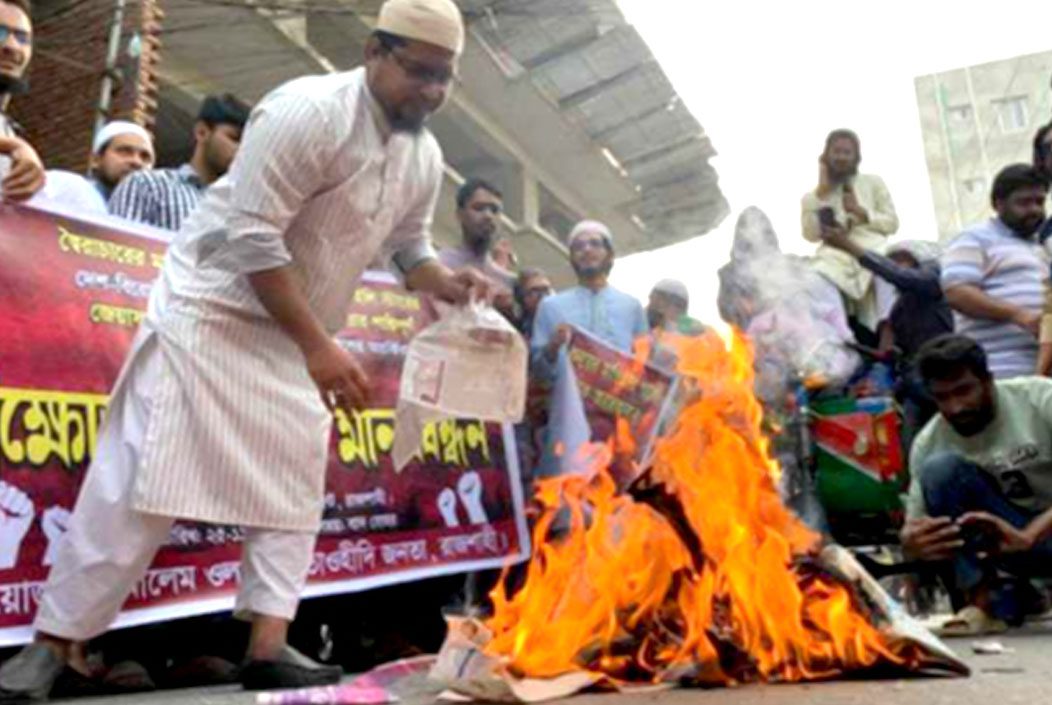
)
(1024, 676)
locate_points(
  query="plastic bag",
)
(470, 364)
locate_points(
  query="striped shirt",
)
(238, 433)
(158, 197)
(1006, 267)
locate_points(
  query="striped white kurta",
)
(237, 431)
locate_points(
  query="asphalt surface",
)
(1022, 675)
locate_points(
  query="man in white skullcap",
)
(593, 305)
(667, 309)
(222, 413)
(118, 149)
(668, 320)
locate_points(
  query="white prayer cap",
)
(673, 287)
(435, 22)
(117, 128)
(591, 226)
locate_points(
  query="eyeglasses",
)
(419, 73)
(22, 37)
(579, 245)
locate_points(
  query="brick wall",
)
(69, 61)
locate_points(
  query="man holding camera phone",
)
(980, 498)
(859, 207)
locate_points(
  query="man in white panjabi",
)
(217, 415)
(861, 205)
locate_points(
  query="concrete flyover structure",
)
(558, 102)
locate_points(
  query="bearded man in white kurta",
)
(222, 411)
(861, 206)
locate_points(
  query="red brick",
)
(66, 76)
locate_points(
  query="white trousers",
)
(109, 545)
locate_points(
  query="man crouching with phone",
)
(980, 499)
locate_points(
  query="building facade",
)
(76, 48)
(976, 120)
(560, 103)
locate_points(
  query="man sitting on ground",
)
(988, 450)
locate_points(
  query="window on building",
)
(975, 186)
(960, 114)
(1012, 114)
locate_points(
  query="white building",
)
(975, 121)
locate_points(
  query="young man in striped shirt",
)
(164, 197)
(223, 413)
(994, 274)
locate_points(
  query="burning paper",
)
(701, 576)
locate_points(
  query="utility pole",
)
(112, 52)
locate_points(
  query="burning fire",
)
(698, 574)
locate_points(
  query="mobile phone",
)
(827, 217)
(980, 538)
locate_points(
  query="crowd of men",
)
(232, 307)
(972, 331)
(971, 328)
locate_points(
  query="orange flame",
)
(702, 578)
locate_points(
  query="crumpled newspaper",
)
(470, 364)
(468, 672)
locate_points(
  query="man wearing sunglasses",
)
(531, 288)
(223, 411)
(21, 171)
(593, 305)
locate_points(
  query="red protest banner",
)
(614, 386)
(73, 291)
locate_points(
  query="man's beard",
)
(841, 176)
(403, 121)
(412, 126)
(972, 422)
(13, 85)
(108, 182)
(1024, 228)
(215, 165)
(586, 272)
(480, 242)
(655, 318)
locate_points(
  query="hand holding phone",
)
(827, 217)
